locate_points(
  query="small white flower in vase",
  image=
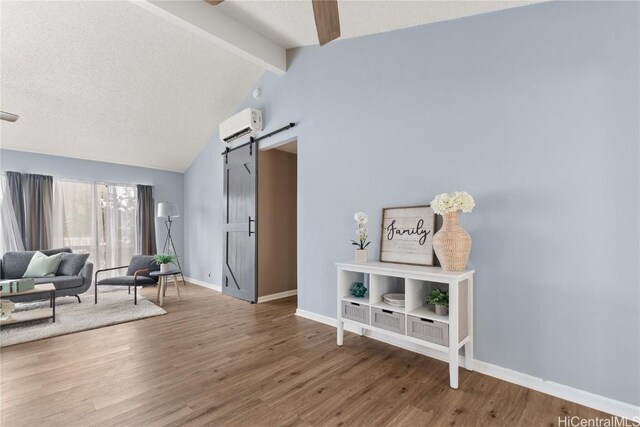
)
(362, 254)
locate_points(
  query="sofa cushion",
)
(49, 252)
(14, 264)
(141, 262)
(61, 282)
(71, 264)
(127, 281)
(42, 265)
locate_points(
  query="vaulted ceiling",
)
(111, 81)
(291, 23)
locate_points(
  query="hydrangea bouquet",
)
(452, 202)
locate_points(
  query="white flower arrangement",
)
(452, 202)
(361, 219)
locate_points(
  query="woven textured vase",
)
(452, 244)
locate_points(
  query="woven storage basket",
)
(452, 244)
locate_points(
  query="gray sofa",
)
(14, 264)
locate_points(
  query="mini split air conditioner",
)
(245, 123)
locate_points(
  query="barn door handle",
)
(250, 221)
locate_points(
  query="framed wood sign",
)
(407, 235)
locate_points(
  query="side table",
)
(162, 283)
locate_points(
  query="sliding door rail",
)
(253, 140)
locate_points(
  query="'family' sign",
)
(407, 235)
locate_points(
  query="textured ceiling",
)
(291, 24)
(111, 81)
(114, 82)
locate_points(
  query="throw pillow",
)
(71, 264)
(42, 265)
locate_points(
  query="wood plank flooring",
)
(215, 360)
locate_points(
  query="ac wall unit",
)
(245, 123)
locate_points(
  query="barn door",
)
(240, 200)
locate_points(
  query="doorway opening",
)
(277, 222)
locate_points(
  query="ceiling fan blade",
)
(214, 2)
(327, 20)
(10, 117)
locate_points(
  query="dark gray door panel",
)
(239, 278)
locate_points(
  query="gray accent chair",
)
(137, 275)
(14, 264)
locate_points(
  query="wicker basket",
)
(452, 244)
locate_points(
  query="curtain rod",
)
(62, 178)
(121, 184)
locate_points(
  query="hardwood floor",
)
(214, 360)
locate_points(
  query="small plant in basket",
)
(440, 299)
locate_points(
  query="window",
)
(96, 218)
(116, 224)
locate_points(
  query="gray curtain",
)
(37, 193)
(146, 221)
(32, 198)
(14, 179)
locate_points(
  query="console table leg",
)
(453, 369)
(453, 334)
(468, 355)
(468, 348)
(340, 331)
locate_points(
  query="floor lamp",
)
(168, 210)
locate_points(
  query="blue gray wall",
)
(167, 185)
(534, 111)
(203, 215)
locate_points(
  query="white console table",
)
(416, 322)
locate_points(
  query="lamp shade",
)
(167, 209)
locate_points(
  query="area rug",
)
(113, 307)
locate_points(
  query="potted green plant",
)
(163, 260)
(440, 299)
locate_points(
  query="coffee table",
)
(162, 283)
(29, 315)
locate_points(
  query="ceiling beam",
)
(212, 24)
(327, 19)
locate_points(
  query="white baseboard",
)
(317, 317)
(601, 403)
(203, 284)
(585, 398)
(218, 288)
(279, 295)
